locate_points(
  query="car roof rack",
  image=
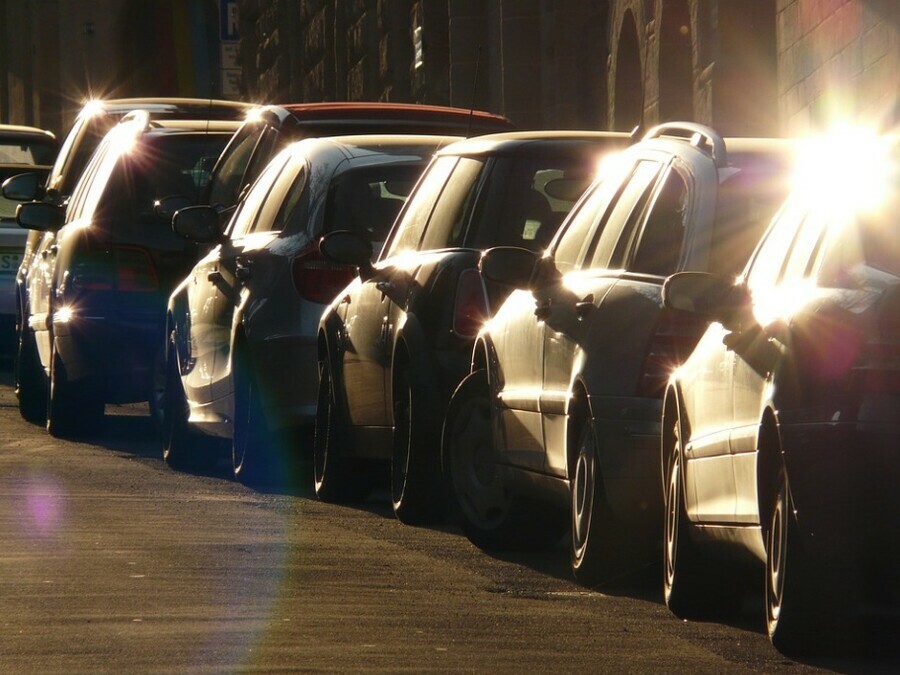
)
(698, 135)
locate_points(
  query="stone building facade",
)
(747, 67)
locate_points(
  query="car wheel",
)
(72, 411)
(31, 380)
(182, 450)
(253, 448)
(338, 479)
(492, 516)
(415, 475)
(594, 530)
(693, 586)
(807, 602)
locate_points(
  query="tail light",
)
(126, 269)
(676, 336)
(318, 279)
(470, 309)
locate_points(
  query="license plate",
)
(9, 262)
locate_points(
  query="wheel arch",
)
(770, 461)
(579, 412)
(409, 352)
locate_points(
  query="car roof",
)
(422, 117)
(516, 141)
(35, 133)
(196, 108)
(365, 144)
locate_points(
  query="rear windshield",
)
(27, 151)
(176, 165)
(367, 200)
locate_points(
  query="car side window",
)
(292, 213)
(407, 232)
(248, 210)
(769, 260)
(582, 222)
(228, 176)
(662, 236)
(806, 247)
(453, 210)
(618, 229)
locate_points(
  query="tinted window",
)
(248, 209)
(409, 229)
(525, 199)
(228, 178)
(769, 259)
(661, 239)
(26, 151)
(618, 228)
(865, 242)
(367, 200)
(447, 227)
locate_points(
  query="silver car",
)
(241, 355)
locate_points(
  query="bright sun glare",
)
(847, 170)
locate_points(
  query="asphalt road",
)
(111, 562)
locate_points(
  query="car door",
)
(226, 271)
(367, 306)
(579, 326)
(779, 278)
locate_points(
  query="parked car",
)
(269, 129)
(92, 123)
(104, 268)
(241, 355)
(557, 425)
(21, 149)
(781, 432)
(395, 343)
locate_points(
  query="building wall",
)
(838, 60)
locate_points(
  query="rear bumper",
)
(116, 355)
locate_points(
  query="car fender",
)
(410, 338)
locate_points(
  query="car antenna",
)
(474, 91)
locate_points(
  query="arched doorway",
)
(676, 86)
(629, 97)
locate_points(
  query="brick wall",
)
(837, 60)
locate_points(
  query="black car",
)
(104, 268)
(54, 186)
(394, 344)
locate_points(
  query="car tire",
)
(72, 411)
(253, 447)
(182, 450)
(415, 468)
(338, 478)
(492, 516)
(596, 535)
(694, 586)
(31, 380)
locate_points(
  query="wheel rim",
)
(323, 438)
(480, 491)
(402, 435)
(775, 560)
(242, 421)
(673, 498)
(583, 494)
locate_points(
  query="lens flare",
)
(846, 171)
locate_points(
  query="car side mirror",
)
(197, 223)
(348, 248)
(40, 216)
(509, 265)
(708, 296)
(23, 187)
